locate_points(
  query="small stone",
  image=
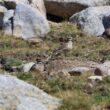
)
(78, 71)
(94, 79)
(90, 19)
(27, 67)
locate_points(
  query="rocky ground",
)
(35, 74)
(71, 77)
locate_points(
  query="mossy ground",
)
(70, 90)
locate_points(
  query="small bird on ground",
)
(65, 46)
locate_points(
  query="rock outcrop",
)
(17, 94)
(93, 20)
(66, 8)
(26, 23)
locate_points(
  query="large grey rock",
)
(38, 4)
(18, 95)
(29, 23)
(78, 70)
(32, 104)
(66, 8)
(93, 20)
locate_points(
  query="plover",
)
(64, 46)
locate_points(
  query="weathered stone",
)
(94, 79)
(19, 95)
(66, 8)
(27, 67)
(29, 23)
(78, 71)
(90, 19)
(32, 104)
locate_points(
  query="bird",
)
(64, 46)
